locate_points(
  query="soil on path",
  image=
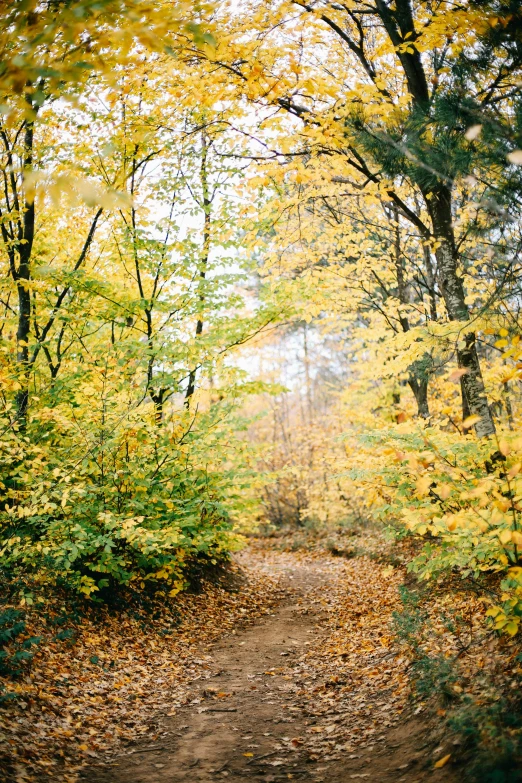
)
(244, 723)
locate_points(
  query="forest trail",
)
(247, 719)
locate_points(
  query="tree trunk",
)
(22, 340)
(23, 277)
(430, 280)
(191, 386)
(158, 401)
(418, 380)
(419, 388)
(438, 202)
(206, 203)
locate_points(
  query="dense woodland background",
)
(260, 269)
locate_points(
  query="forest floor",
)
(290, 665)
(312, 692)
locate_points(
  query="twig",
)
(264, 756)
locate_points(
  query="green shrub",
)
(151, 505)
(492, 735)
(14, 653)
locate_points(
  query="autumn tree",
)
(403, 87)
(112, 256)
(49, 52)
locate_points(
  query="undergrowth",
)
(15, 647)
(461, 671)
(478, 698)
(62, 612)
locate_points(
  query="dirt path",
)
(245, 723)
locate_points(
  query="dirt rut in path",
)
(243, 723)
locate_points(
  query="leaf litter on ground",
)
(351, 683)
(104, 685)
(84, 701)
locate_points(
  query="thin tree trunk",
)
(206, 204)
(430, 279)
(158, 400)
(308, 380)
(23, 279)
(438, 202)
(419, 387)
(418, 382)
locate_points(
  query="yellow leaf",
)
(456, 375)
(423, 484)
(470, 421)
(516, 538)
(444, 491)
(442, 762)
(248, 755)
(503, 447)
(505, 536)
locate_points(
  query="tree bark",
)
(206, 203)
(438, 202)
(22, 277)
(419, 387)
(418, 380)
(430, 280)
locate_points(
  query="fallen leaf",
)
(442, 762)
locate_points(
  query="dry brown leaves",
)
(362, 655)
(352, 685)
(455, 629)
(80, 699)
